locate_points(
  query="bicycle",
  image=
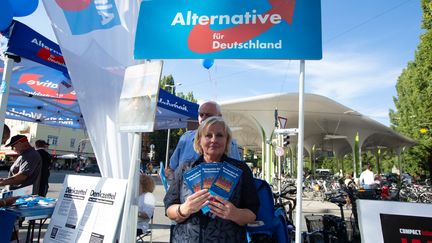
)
(328, 228)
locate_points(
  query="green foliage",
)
(414, 101)
(159, 138)
(427, 14)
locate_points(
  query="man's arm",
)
(175, 157)
(13, 180)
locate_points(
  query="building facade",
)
(66, 144)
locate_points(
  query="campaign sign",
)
(88, 210)
(395, 222)
(402, 228)
(258, 29)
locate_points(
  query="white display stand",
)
(88, 210)
(138, 99)
(389, 222)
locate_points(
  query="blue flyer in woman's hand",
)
(209, 172)
(226, 181)
(192, 178)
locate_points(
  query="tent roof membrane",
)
(328, 125)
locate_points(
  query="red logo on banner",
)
(44, 89)
(76, 5)
(201, 37)
(46, 55)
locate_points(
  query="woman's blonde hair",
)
(203, 128)
(146, 183)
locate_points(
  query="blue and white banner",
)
(27, 43)
(261, 29)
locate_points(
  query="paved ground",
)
(162, 223)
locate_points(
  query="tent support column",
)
(267, 160)
(130, 209)
(300, 144)
(4, 89)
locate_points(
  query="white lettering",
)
(251, 44)
(237, 19)
(410, 231)
(178, 19)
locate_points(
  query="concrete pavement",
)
(161, 223)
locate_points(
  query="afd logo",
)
(88, 15)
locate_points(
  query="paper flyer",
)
(192, 178)
(162, 176)
(88, 210)
(209, 171)
(138, 99)
(226, 181)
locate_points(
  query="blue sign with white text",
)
(259, 29)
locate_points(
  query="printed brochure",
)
(209, 171)
(226, 181)
(192, 178)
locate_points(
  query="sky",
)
(366, 45)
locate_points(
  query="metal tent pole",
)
(298, 219)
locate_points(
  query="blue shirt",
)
(185, 152)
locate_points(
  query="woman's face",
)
(213, 142)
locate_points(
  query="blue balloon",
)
(207, 63)
(5, 15)
(21, 8)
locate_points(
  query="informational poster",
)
(394, 222)
(88, 210)
(138, 99)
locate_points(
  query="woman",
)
(146, 203)
(212, 141)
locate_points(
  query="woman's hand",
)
(195, 202)
(224, 209)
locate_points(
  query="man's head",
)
(208, 109)
(19, 143)
(41, 144)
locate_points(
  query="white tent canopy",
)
(328, 125)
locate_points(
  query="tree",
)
(414, 100)
(159, 138)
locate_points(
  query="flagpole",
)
(167, 148)
(298, 219)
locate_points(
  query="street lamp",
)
(172, 86)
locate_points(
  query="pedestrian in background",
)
(367, 179)
(41, 147)
(146, 203)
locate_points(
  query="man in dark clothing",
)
(41, 147)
